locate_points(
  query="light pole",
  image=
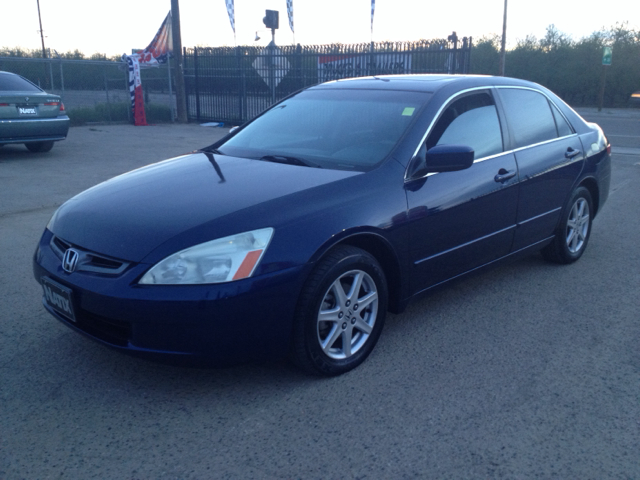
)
(44, 54)
(181, 97)
(504, 40)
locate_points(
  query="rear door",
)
(549, 157)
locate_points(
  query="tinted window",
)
(472, 121)
(529, 116)
(15, 83)
(564, 128)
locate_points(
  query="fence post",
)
(240, 90)
(453, 38)
(466, 45)
(173, 118)
(298, 66)
(61, 81)
(106, 89)
(195, 69)
(51, 72)
(272, 70)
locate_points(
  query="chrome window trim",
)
(543, 143)
(437, 116)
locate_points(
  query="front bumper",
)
(221, 324)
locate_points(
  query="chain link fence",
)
(97, 91)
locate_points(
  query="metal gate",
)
(234, 84)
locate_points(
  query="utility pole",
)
(504, 40)
(181, 97)
(44, 52)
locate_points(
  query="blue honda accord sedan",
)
(297, 232)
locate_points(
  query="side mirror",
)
(442, 158)
(449, 158)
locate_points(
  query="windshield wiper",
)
(289, 160)
(211, 150)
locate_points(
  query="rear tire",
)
(39, 147)
(340, 313)
(572, 234)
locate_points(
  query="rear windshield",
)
(15, 83)
(343, 129)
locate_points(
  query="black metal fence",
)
(233, 84)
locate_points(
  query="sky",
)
(117, 26)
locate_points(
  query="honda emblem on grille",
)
(70, 260)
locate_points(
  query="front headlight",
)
(221, 260)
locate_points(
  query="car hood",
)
(129, 216)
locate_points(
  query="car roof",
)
(421, 83)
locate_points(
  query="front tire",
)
(572, 234)
(340, 313)
(39, 147)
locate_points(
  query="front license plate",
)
(27, 111)
(58, 298)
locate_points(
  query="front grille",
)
(89, 261)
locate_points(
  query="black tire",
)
(574, 229)
(349, 330)
(39, 147)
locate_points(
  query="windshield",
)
(340, 129)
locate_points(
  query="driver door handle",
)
(504, 175)
(570, 153)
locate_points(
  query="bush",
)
(116, 112)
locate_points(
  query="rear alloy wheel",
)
(573, 232)
(39, 147)
(340, 313)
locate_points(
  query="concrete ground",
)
(530, 370)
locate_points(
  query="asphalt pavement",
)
(531, 370)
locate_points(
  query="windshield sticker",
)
(408, 111)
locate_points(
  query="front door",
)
(465, 219)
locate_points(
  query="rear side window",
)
(529, 115)
(472, 121)
(564, 128)
(15, 83)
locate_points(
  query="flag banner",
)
(290, 12)
(373, 9)
(232, 14)
(156, 53)
(161, 47)
(334, 67)
(135, 90)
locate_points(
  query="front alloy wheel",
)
(347, 314)
(340, 313)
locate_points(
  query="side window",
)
(472, 121)
(529, 116)
(564, 128)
